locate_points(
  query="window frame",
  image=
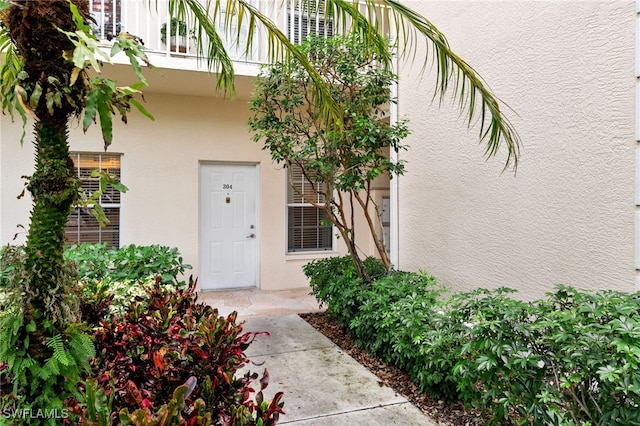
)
(110, 234)
(289, 228)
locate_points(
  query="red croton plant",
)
(170, 360)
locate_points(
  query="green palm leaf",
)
(373, 20)
(495, 127)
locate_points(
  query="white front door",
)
(228, 233)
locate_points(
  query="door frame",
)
(256, 165)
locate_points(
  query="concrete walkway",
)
(322, 385)
(251, 303)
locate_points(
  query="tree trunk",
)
(382, 252)
(347, 236)
(358, 263)
(34, 28)
(54, 189)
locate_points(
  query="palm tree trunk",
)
(54, 189)
(34, 28)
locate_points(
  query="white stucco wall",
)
(160, 165)
(567, 70)
(16, 161)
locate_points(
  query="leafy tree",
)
(48, 51)
(45, 77)
(49, 47)
(338, 165)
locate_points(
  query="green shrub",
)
(399, 321)
(113, 278)
(568, 359)
(496, 363)
(106, 298)
(592, 342)
(11, 258)
(96, 262)
(396, 317)
(38, 374)
(335, 283)
(383, 315)
(437, 347)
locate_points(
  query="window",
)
(308, 229)
(82, 227)
(303, 22)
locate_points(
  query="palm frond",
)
(209, 45)
(375, 21)
(205, 19)
(469, 88)
(370, 22)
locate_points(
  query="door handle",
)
(251, 236)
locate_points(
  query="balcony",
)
(171, 44)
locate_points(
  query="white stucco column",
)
(637, 161)
(393, 190)
(394, 231)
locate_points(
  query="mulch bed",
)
(443, 413)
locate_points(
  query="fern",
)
(11, 320)
(81, 347)
(60, 353)
(50, 368)
(35, 383)
(22, 365)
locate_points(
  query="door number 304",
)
(227, 186)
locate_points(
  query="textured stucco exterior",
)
(566, 68)
(160, 166)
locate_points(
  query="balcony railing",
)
(173, 39)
